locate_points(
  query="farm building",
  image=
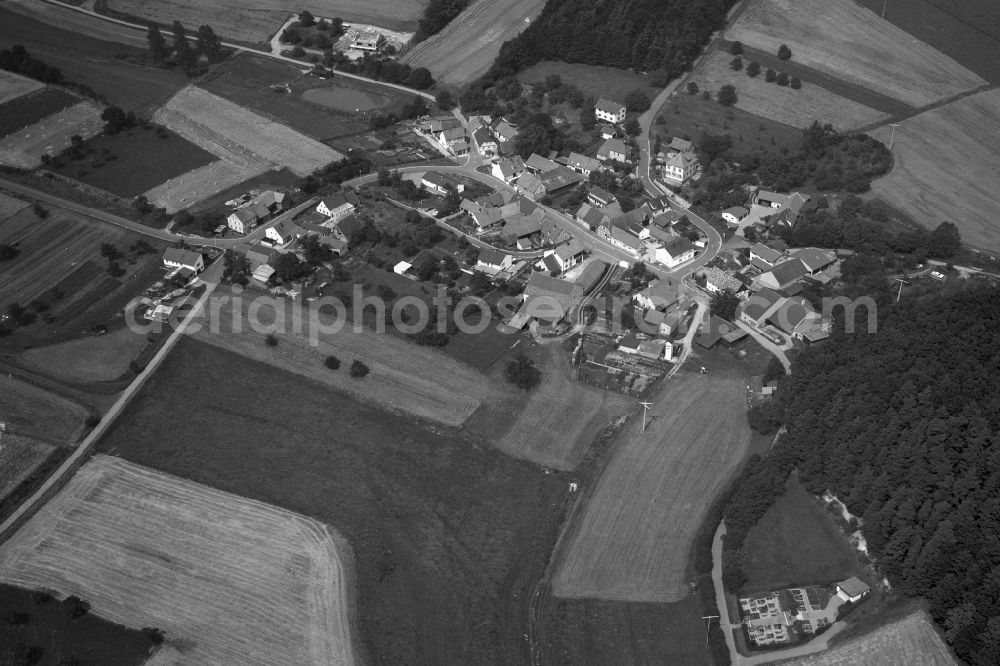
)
(782, 276)
(610, 112)
(788, 207)
(652, 349)
(717, 280)
(735, 214)
(570, 254)
(258, 209)
(175, 257)
(592, 218)
(614, 150)
(629, 344)
(764, 257)
(508, 169)
(435, 182)
(538, 165)
(660, 294)
(402, 268)
(256, 255)
(583, 164)
(755, 309)
(337, 206)
(558, 179)
(262, 273)
(598, 196)
(814, 259)
(852, 590)
(549, 299)
(621, 237)
(591, 275)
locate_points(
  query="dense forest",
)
(437, 15)
(645, 35)
(904, 426)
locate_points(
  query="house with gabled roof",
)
(755, 309)
(814, 258)
(718, 280)
(608, 132)
(659, 294)
(598, 196)
(284, 232)
(583, 164)
(679, 167)
(591, 217)
(538, 165)
(337, 205)
(504, 131)
(176, 257)
(622, 238)
(734, 214)
(783, 275)
(531, 186)
(508, 169)
(608, 111)
(614, 150)
(675, 252)
(492, 260)
(549, 299)
(485, 141)
(764, 257)
(453, 140)
(569, 254)
(558, 179)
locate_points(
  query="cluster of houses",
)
(796, 614)
(447, 133)
(538, 176)
(517, 220)
(254, 209)
(647, 232)
(549, 299)
(779, 210)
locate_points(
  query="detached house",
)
(453, 140)
(337, 206)
(569, 254)
(598, 196)
(660, 294)
(175, 257)
(487, 144)
(582, 164)
(259, 209)
(764, 257)
(530, 186)
(284, 232)
(493, 261)
(782, 276)
(680, 162)
(609, 112)
(614, 150)
(675, 252)
(508, 169)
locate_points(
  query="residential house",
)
(617, 233)
(582, 164)
(679, 167)
(814, 259)
(284, 232)
(338, 205)
(717, 280)
(508, 169)
(549, 299)
(764, 257)
(258, 209)
(439, 124)
(489, 217)
(368, 40)
(788, 207)
(734, 214)
(538, 165)
(492, 260)
(660, 205)
(782, 276)
(598, 196)
(530, 186)
(487, 144)
(175, 257)
(591, 217)
(755, 310)
(243, 219)
(570, 254)
(453, 140)
(477, 121)
(852, 590)
(402, 268)
(262, 274)
(559, 179)
(256, 255)
(439, 184)
(675, 252)
(524, 230)
(610, 112)
(505, 132)
(660, 294)
(614, 150)
(607, 132)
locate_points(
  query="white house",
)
(569, 254)
(675, 252)
(734, 214)
(402, 267)
(508, 169)
(609, 112)
(660, 294)
(607, 132)
(487, 144)
(493, 261)
(255, 211)
(335, 206)
(369, 40)
(614, 150)
(680, 162)
(435, 182)
(764, 257)
(175, 257)
(242, 219)
(283, 232)
(622, 238)
(453, 140)
(852, 590)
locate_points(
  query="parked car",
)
(937, 275)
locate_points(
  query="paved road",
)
(238, 47)
(79, 455)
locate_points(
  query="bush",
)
(692, 88)
(358, 369)
(770, 75)
(736, 48)
(782, 79)
(332, 362)
(727, 95)
(271, 340)
(753, 69)
(76, 607)
(784, 53)
(796, 83)
(521, 372)
(736, 64)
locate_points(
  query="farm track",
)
(228, 579)
(25, 147)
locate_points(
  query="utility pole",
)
(893, 135)
(708, 624)
(645, 408)
(901, 282)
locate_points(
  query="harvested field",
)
(51, 135)
(10, 205)
(132, 172)
(633, 539)
(935, 180)
(254, 21)
(846, 40)
(404, 378)
(912, 641)
(347, 100)
(50, 250)
(28, 109)
(228, 580)
(90, 52)
(197, 184)
(19, 457)
(30, 411)
(592, 79)
(798, 108)
(467, 47)
(450, 535)
(94, 358)
(13, 86)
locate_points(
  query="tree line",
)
(17, 59)
(904, 427)
(437, 15)
(180, 53)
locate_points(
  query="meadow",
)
(19, 112)
(13, 86)
(31, 411)
(92, 358)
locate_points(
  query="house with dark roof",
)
(756, 308)
(583, 164)
(591, 217)
(620, 236)
(764, 257)
(336, 206)
(598, 196)
(852, 590)
(734, 214)
(610, 112)
(508, 169)
(782, 275)
(257, 254)
(814, 258)
(485, 141)
(607, 131)
(538, 165)
(531, 186)
(549, 299)
(255, 211)
(614, 150)
(505, 131)
(659, 294)
(675, 252)
(175, 257)
(559, 179)
(591, 275)
(659, 205)
(492, 260)
(284, 232)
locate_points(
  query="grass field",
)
(30, 411)
(10, 205)
(449, 535)
(51, 134)
(633, 539)
(404, 377)
(246, 80)
(256, 20)
(954, 179)
(85, 640)
(592, 79)
(796, 544)
(132, 172)
(60, 37)
(28, 109)
(94, 358)
(845, 39)
(911, 641)
(228, 580)
(798, 108)
(13, 86)
(469, 44)
(968, 31)
(19, 457)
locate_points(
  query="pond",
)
(346, 99)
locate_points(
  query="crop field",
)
(247, 79)
(846, 40)
(189, 188)
(33, 412)
(28, 109)
(10, 205)
(93, 358)
(449, 535)
(50, 250)
(51, 135)
(798, 108)
(467, 46)
(254, 21)
(911, 641)
(953, 180)
(592, 79)
(19, 457)
(405, 377)
(634, 536)
(228, 579)
(968, 31)
(66, 39)
(13, 86)
(132, 172)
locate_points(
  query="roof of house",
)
(757, 305)
(788, 271)
(738, 212)
(453, 133)
(777, 244)
(722, 279)
(773, 197)
(548, 297)
(666, 219)
(853, 586)
(767, 254)
(437, 179)
(492, 256)
(245, 214)
(814, 258)
(678, 246)
(607, 106)
(539, 163)
(593, 217)
(629, 341)
(651, 348)
(591, 274)
(263, 273)
(505, 130)
(560, 177)
(521, 225)
(614, 145)
(570, 249)
(601, 194)
(529, 182)
(578, 161)
(681, 160)
(607, 130)
(551, 264)
(661, 292)
(287, 228)
(483, 136)
(444, 123)
(335, 200)
(182, 256)
(625, 237)
(680, 144)
(511, 166)
(787, 315)
(655, 317)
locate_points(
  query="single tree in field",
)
(784, 53)
(753, 69)
(736, 48)
(736, 64)
(727, 95)
(692, 88)
(521, 372)
(39, 210)
(770, 75)
(358, 369)
(209, 43)
(796, 83)
(157, 44)
(782, 79)
(332, 362)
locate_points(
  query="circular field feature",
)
(346, 99)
